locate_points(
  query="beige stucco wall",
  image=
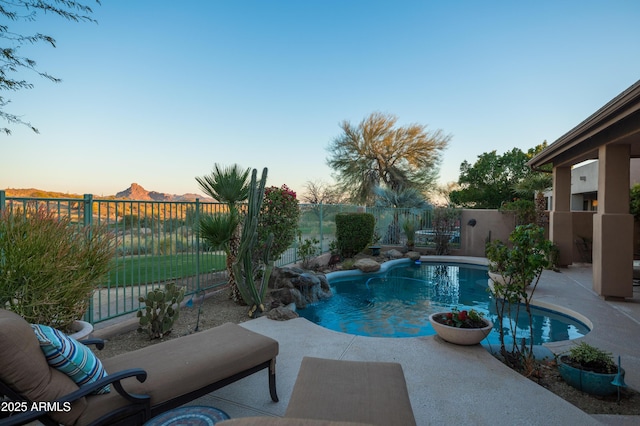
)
(582, 225)
(499, 226)
(489, 224)
(492, 224)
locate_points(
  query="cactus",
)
(162, 309)
(253, 277)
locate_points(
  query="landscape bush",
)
(354, 232)
(279, 216)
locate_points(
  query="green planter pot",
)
(588, 381)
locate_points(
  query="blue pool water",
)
(398, 302)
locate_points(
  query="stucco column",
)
(560, 219)
(613, 225)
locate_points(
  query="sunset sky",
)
(159, 91)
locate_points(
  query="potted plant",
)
(375, 244)
(461, 327)
(49, 267)
(409, 227)
(589, 369)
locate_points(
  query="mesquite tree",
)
(12, 64)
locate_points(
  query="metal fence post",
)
(88, 210)
(197, 233)
(3, 200)
(88, 221)
(321, 233)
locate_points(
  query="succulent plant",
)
(161, 310)
(252, 275)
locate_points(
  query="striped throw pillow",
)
(70, 356)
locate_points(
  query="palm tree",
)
(400, 198)
(228, 185)
(408, 198)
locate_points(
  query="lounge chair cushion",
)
(69, 356)
(183, 365)
(24, 368)
(283, 421)
(354, 391)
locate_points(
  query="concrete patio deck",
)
(451, 384)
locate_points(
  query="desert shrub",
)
(123, 250)
(173, 224)
(354, 231)
(50, 268)
(348, 264)
(182, 244)
(138, 247)
(165, 246)
(307, 250)
(130, 221)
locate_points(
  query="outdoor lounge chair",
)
(144, 383)
(331, 392)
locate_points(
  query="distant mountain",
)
(134, 192)
(137, 192)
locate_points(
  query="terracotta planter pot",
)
(588, 381)
(460, 336)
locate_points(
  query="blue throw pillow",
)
(70, 356)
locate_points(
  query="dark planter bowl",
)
(588, 381)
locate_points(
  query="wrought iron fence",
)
(158, 242)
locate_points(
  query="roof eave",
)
(619, 107)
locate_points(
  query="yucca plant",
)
(228, 185)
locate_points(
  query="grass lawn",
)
(142, 269)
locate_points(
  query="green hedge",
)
(354, 231)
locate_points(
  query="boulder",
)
(393, 254)
(281, 313)
(295, 285)
(413, 255)
(367, 265)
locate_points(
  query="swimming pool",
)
(398, 302)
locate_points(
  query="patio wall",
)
(494, 225)
(489, 225)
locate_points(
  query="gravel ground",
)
(216, 309)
